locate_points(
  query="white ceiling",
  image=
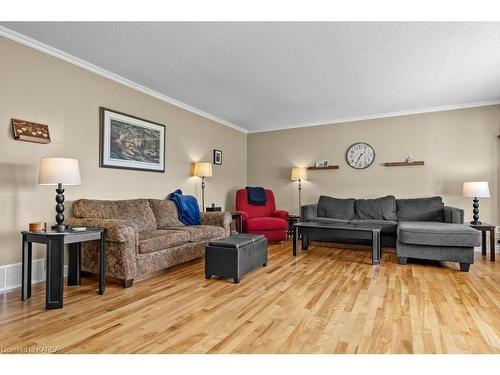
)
(264, 76)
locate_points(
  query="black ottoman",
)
(235, 256)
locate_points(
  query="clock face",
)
(360, 155)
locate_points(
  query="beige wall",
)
(37, 87)
(457, 146)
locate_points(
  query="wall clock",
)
(360, 155)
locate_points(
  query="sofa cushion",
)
(156, 240)
(386, 226)
(438, 234)
(420, 209)
(376, 209)
(336, 208)
(265, 223)
(135, 211)
(203, 232)
(165, 212)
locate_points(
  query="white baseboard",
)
(11, 274)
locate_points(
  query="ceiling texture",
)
(265, 76)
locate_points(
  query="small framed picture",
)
(321, 163)
(218, 157)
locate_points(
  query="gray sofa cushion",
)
(378, 209)
(420, 209)
(438, 234)
(335, 208)
(387, 226)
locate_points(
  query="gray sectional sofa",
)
(422, 228)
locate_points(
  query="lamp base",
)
(60, 227)
(476, 222)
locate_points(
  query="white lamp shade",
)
(55, 171)
(299, 174)
(476, 189)
(202, 169)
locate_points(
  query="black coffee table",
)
(357, 231)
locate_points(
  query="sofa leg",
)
(402, 260)
(464, 267)
(127, 283)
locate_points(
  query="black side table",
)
(54, 280)
(485, 227)
(237, 218)
(292, 219)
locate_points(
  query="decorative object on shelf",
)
(59, 171)
(217, 157)
(360, 155)
(314, 168)
(129, 142)
(409, 159)
(404, 163)
(321, 163)
(299, 174)
(202, 169)
(28, 131)
(478, 189)
(36, 227)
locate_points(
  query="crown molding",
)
(45, 48)
(379, 116)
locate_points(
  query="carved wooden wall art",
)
(30, 131)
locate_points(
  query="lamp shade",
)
(476, 189)
(55, 171)
(202, 169)
(299, 174)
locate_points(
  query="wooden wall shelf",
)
(321, 168)
(404, 164)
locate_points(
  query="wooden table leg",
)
(54, 281)
(102, 266)
(483, 242)
(26, 270)
(492, 244)
(74, 262)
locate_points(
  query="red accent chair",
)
(266, 220)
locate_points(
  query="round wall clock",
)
(360, 155)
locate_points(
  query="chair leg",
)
(464, 267)
(402, 260)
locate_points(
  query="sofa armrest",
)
(308, 212)
(116, 230)
(282, 214)
(453, 215)
(218, 219)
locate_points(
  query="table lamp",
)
(59, 171)
(202, 169)
(476, 190)
(299, 174)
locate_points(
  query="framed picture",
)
(321, 163)
(218, 157)
(129, 142)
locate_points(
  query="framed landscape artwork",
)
(129, 142)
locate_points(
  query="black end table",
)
(237, 218)
(54, 280)
(485, 227)
(292, 219)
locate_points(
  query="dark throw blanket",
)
(256, 196)
(187, 208)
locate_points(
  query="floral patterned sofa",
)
(143, 236)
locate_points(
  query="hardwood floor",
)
(327, 300)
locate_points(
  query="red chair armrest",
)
(282, 214)
(244, 215)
